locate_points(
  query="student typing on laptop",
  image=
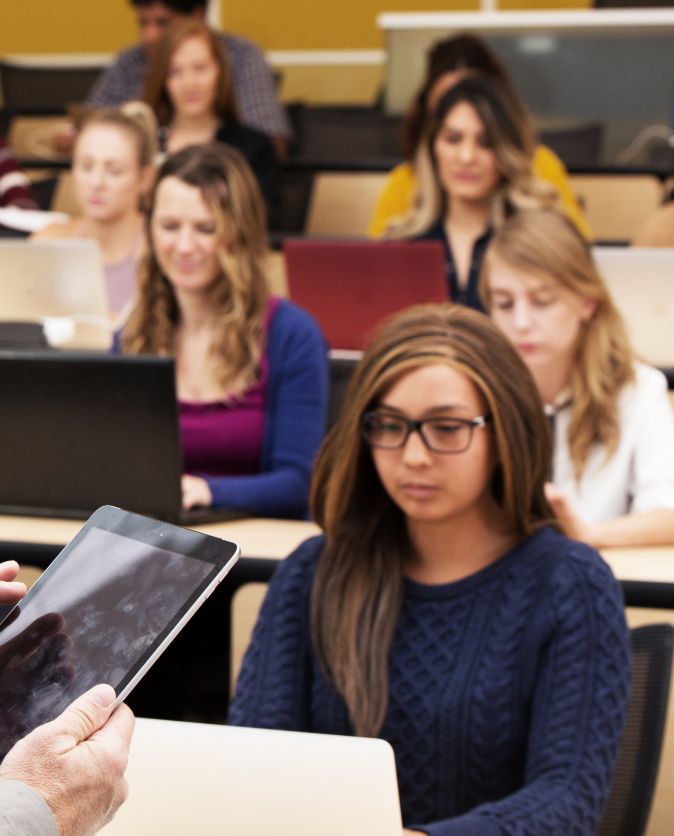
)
(441, 611)
(251, 369)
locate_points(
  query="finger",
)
(119, 728)
(85, 716)
(11, 591)
(9, 569)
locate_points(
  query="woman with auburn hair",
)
(112, 170)
(613, 466)
(251, 369)
(449, 61)
(473, 171)
(189, 87)
(440, 611)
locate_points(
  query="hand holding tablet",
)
(103, 612)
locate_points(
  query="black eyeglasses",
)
(440, 435)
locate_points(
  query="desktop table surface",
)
(274, 539)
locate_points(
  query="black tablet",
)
(104, 611)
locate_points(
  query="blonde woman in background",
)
(112, 169)
(473, 171)
(613, 467)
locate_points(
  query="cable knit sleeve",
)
(581, 684)
(272, 688)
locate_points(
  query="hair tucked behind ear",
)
(546, 243)
(358, 589)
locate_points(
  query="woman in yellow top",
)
(449, 61)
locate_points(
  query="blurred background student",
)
(113, 166)
(473, 169)
(449, 61)
(613, 466)
(189, 87)
(251, 369)
(14, 185)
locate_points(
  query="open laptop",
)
(85, 429)
(60, 284)
(641, 282)
(351, 286)
(205, 779)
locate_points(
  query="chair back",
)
(617, 204)
(636, 770)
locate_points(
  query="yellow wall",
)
(343, 24)
(33, 26)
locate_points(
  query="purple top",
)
(224, 438)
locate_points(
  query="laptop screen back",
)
(351, 286)
(641, 282)
(83, 430)
(60, 283)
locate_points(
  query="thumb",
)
(86, 715)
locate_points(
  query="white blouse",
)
(639, 476)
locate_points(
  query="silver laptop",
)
(60, 284)
(641, 282)
(207, 779)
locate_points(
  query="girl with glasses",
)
(440, 610)
(613, 464)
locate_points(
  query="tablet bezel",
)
(221, 554)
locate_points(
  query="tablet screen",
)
(96, 619)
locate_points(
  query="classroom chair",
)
(615, 205)
(636, 770)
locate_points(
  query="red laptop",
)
(350, 286)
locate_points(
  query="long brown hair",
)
(463, 52)
(509, 133)
(239, 294)
(357, 592)
(546, 243)
(155, 92)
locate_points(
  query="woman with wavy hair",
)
(613, 466)
(473, 171)
(251, 369)
(449, 61)
(440, 610)
(189, 87)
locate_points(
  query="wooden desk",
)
(647, 573)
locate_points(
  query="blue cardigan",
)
(295, 413)
(507, 689)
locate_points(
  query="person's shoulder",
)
(289, 320)
(649, 378)
(547, 163)
(401, 176)
(58, 230)
(245, 136)
(569, 568)
(239, 47)
(295, 574)
(129, 57)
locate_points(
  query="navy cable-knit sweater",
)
(508, 688)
